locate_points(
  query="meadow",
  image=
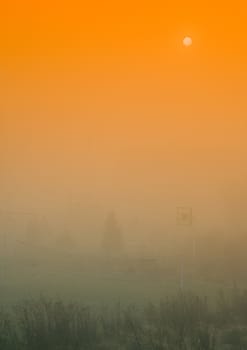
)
(182, 322)
(64, 300)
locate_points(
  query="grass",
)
(180, 322)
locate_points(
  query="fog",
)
(122, 151)
(72, 153)
(94, 179)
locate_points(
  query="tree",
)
(112, 239)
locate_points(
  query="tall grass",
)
(182, 322)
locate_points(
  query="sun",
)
(187, 41)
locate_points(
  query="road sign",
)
(184, 216)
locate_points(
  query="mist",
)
(122, 153)
(94, 176)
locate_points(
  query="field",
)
(66, 301)
(97, 282)
(181, 322)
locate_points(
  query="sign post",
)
(184, 218)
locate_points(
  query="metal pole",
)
(181, 275)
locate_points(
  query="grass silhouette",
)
(182, 322)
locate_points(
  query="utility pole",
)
(184, 219)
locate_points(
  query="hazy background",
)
(103, 109)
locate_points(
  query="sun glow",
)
(187, 41)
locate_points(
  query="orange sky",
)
(46, 28)
(103, 96)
